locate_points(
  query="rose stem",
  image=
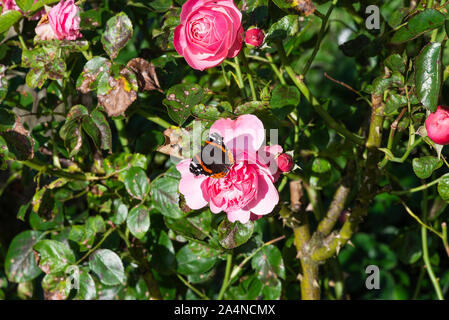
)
(249, 75)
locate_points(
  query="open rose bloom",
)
(248, 190)
(62, 22)
(210, 31)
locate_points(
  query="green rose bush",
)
(220, 149)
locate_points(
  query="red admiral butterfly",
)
(214, 160)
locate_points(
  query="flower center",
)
(237, 189)
(200, 28)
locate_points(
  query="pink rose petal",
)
(190, 186)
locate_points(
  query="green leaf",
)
(71, 134)
(77, 112)
(269, 265)
(35, 58)
(423, 22)
(120, 211)
(231, 235)
(36, 77)
(91, 19)
(394, 102)
(118, 32)
(251, 107)
(194, 226)
(4, 83)
(55, 286)
(8, 19)
(191, 261)
(25, 290)
(165, 196)
(123, 160)
(281, 29)
(56, 69)
(96, 224)
(248, 289)
(41, 3)
(425, 166)
(443, 187)
(95, 75)
(138, 221)
(321, 165)
(24, 5)
(87, 289)
(393, 12)
(71, 131)
(20, 264)
(206, 112)
(428, 75)
(181, 98)
(396, 63)
(272, 291)
(83, 236)
(161, 5)
(54, 256)
(22, 211)
(103, 126)
(7, 119)
(92, 131)
(19, 143)
(108, 266)
(137, 183)
(284, 99)
(163, 258)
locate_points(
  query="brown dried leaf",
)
(174, 143)
(116, 101)
(55, 295)
(306, 6)
(145, 73)
(19, 141)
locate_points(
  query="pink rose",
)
(285, 162)
(248, 190)
(437, 125)
(254, 37)
(9, 5)
(62, 22)
(210, 31)
(44, 31)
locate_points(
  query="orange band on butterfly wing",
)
(216, 145)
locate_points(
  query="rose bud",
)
(285, 162)
(254, 37)
(437, 125)
(61, 22)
